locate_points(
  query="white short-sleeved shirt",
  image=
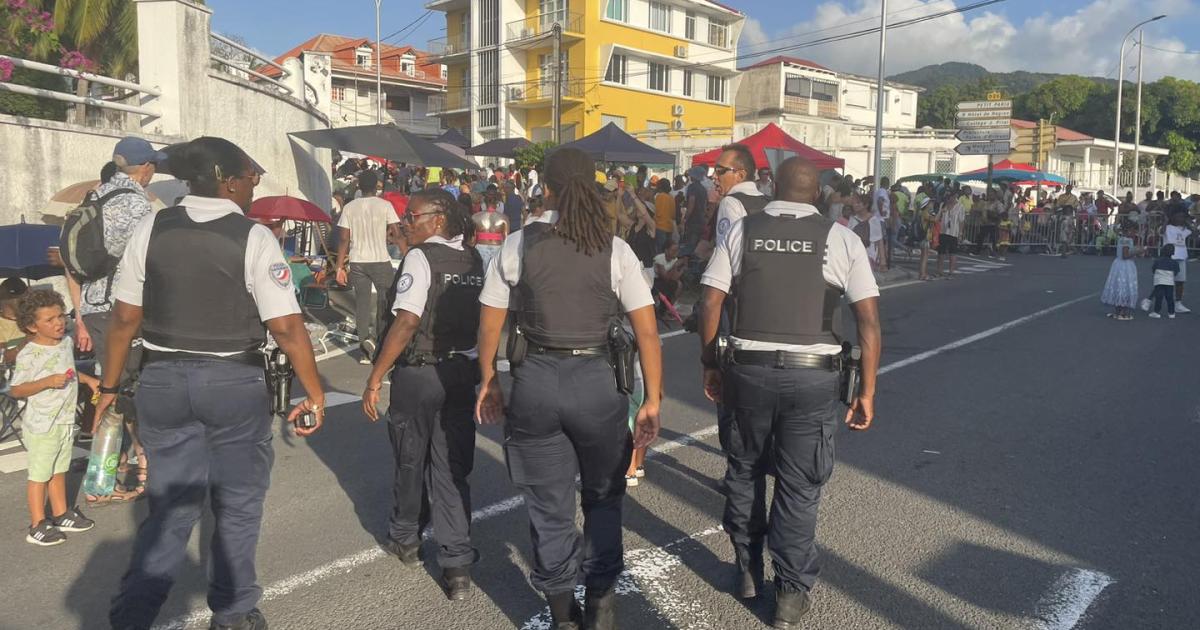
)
(50, 406)
(412, 287)
(875, 234)
(368, 219)
(881, 204)
(731, 208)
(628, 282)
(846, 267)
(667, 265)
(1177, 236)
(268, 278)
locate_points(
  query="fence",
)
(80, 76)
(1039, 232)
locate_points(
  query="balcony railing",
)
(543, 90)
(538, 25)
(447, 46)
(452, 101)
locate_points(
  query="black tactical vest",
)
(564, 297)
(195, 298)
(752, 203)
(782, 296)
(451, 318)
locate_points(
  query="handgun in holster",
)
(518, 346)
(851, 372)
(279, 374)
(622, 349)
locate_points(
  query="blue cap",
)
(697, 172)
(137, 151)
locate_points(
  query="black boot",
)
(564, 611)
(600, 609)
(409, 555)
(790, 607)
(457, 583)
(749, 560)
(254, 620)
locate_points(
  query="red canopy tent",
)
(772, 137)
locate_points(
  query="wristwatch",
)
(104, 389)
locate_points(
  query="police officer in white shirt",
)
(569, 281)
(431, 345)
(741, 195)
(202, 401)
(780, 376)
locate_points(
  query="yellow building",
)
(663, 71)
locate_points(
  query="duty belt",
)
(253, 358)
(782, 359)
(429, 358)
(594, 351)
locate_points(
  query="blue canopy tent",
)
(612, 144)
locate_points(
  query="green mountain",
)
(958, 73)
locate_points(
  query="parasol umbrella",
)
(286, 208)
(612, 144)
(67, 199)
(23, 250)
(453, 137)
(385, 141)
(399, 202)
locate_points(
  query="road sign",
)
(984, 148)
(993, 134)
(973, 105)
(985, 123)
(984, 113)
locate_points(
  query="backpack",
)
(82, 241)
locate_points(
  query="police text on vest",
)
(782, 246)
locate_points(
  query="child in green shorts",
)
(44, 374)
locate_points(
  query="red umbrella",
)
(399, 201)
(289, 208)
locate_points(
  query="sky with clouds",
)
(1068, 36)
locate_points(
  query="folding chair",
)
(10, 408)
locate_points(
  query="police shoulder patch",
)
(723, 225)
(404, 283)
(281, 274)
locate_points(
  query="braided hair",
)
(458, 217)
(571, 175)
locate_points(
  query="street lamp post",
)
(378, 69)
(879, 95)
(1120, 83)
(1137, 126)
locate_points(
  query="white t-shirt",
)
(532, 178)
(368, 220)
(881, 204)
(661, 259)
(1177, 235)
(50, 406)
(875, 227)
(952, 219)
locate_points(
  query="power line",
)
(817, 42)
(423, 16)
(1167, 50)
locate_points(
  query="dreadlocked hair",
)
(571, 175)
(458, 217)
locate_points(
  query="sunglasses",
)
(721, 170)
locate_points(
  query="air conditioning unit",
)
(681, 51)
(677, 124)
(516, 93)
(677, 110)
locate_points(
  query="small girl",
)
(1121, 289)
(1165, 267)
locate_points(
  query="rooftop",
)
(343, 50)
(1061, 133)
(785, 59)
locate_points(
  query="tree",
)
(1061, 98)
(1183, 157)
(533, 155)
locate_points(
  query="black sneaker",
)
(790, 606)
(254, 620)
(457, 583)
(73, 521)
(45, 535)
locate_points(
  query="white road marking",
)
(646, 571)
(348, 563)
(917, 358)
(336, 352)
(1069, 597)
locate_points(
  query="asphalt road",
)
(1032, 466)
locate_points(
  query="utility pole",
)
(1120, 83)
(879, 97)
(1137, 125)
(556, 112)
(378, 69)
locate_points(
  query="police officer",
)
(431, 344)
(781, 380)
(734, 170)
(569, 279)
(205, 284)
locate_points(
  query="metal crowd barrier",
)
(1037, 232)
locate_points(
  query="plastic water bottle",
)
(106, 452)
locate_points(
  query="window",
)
(689, 25)
(408, 65)
(546, 68)
(653, 125)
(552, 11)
(399, 102)
(906, 103)
(943, 165)
(617, 69)
(687, 82)
(887, 167)
(822, 91)
(803, 87)
(339, 93)
(660, 17)
(619, 121)
(362, 57)
(445, 73)
(718, 34)
(617, 10)
(660, 77)
(887, 96)
(716, 89)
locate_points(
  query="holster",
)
(622, 348)
(851, 372)
(518, 346)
